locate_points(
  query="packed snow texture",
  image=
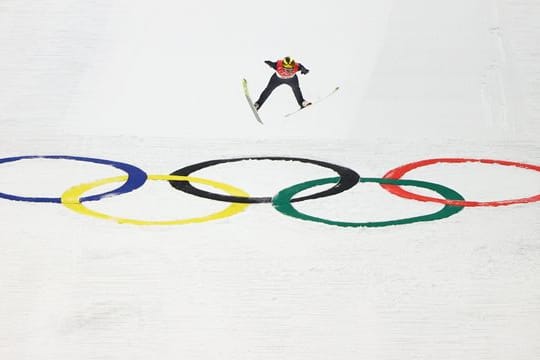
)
(158, 85)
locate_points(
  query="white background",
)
(157, 85)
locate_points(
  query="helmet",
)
(288, 62)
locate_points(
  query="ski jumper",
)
(282, 76)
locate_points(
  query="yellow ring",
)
(71, 199)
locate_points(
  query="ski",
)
(314, 102)
(250, 102)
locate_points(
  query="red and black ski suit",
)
(281, 76)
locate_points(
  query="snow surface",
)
(157, 85)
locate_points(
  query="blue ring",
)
(136, 178)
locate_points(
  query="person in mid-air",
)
(286, 70)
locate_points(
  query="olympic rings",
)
(347, 179)
(282, 202)
(398, 173)
(71, 197)
(136, 178)
(181, 180)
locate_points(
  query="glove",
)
(304, 71)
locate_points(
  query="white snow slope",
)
(157, 85)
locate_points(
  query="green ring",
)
(282, 202)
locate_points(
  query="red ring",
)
(398, 173)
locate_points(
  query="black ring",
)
(348, 178)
